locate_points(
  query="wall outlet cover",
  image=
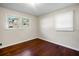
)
(0, 44)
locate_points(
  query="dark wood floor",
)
(37, 47)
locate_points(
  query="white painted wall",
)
(48, 32)
(10, 37)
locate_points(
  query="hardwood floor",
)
(37, 47)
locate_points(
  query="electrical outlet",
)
(0, 44)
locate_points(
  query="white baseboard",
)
(42, 39)
(4, 46)
(60, 44)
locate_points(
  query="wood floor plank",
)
(37, 47)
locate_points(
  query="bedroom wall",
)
(10, 37)
(47, 29)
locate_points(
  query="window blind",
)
(64, 21)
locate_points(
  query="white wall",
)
(47, 29)
(10, 37)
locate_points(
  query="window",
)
(64, 21)
(15, 22)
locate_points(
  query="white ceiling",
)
(37, 9)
